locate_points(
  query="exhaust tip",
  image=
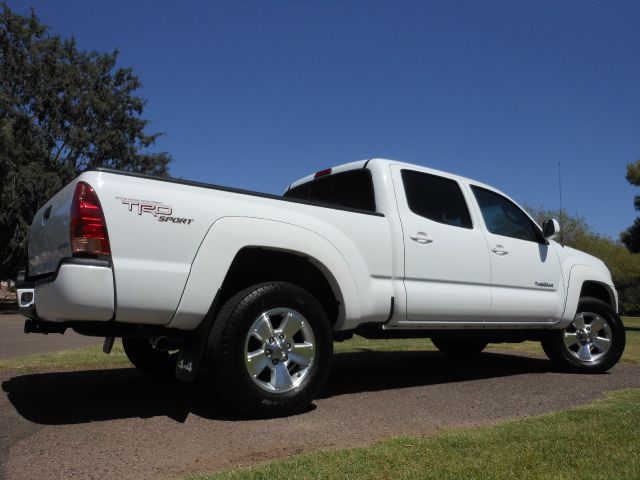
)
(161, 344)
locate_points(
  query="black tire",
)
(462, 347)
(149, 360)
(567, 357)
(228, 375)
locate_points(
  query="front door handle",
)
(499, 250)
(421, 237)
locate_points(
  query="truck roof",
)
(383, 163)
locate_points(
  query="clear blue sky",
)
(255, 94)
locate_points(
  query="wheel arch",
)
(598, 290)
(253, 265)
(587, 281)
(238, 250)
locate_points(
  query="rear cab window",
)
(350, 189)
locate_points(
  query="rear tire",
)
(459, 346)
(593, 343)
(269, 350)
(149, 360)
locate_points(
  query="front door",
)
(526, 277)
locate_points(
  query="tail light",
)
(322, 173)
(88, 228)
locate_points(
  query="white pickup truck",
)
(248, 291)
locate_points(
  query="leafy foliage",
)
(631, 236)
(624, 266)
(62, 110)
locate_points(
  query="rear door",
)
(447, 268)
(526, 278)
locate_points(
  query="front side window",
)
(503, 217)
(436, 198)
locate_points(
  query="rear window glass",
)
(436, 198)
(352, 189)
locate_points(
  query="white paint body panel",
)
(513, 281)
(79, 292)
(167, 273)
(49, 237)
(580, 268)
(364, 294)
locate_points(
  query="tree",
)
(62, 110)
(623, 265)
(631, 236)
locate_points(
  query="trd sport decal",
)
(159, 210)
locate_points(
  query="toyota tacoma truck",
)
(248, 291)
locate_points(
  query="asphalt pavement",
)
(122, 424)
(15, 343)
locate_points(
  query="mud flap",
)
(194, 346)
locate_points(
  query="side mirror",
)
(550, 228)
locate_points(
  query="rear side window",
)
(503, 217)
(436, 198)
(352, 189)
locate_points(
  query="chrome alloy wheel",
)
(279, 350)
(589, 337)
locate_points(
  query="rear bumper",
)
(81, 290)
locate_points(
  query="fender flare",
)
(228, 235)
(578, 275)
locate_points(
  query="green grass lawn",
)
(597, 441)
(92, 357)
(86, 358)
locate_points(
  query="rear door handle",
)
(421, 237)
(499, 250)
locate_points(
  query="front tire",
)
(270, 350)
(593, 343)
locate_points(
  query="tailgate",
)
(49, 235)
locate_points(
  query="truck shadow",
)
(58, 398)
(370, 371)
